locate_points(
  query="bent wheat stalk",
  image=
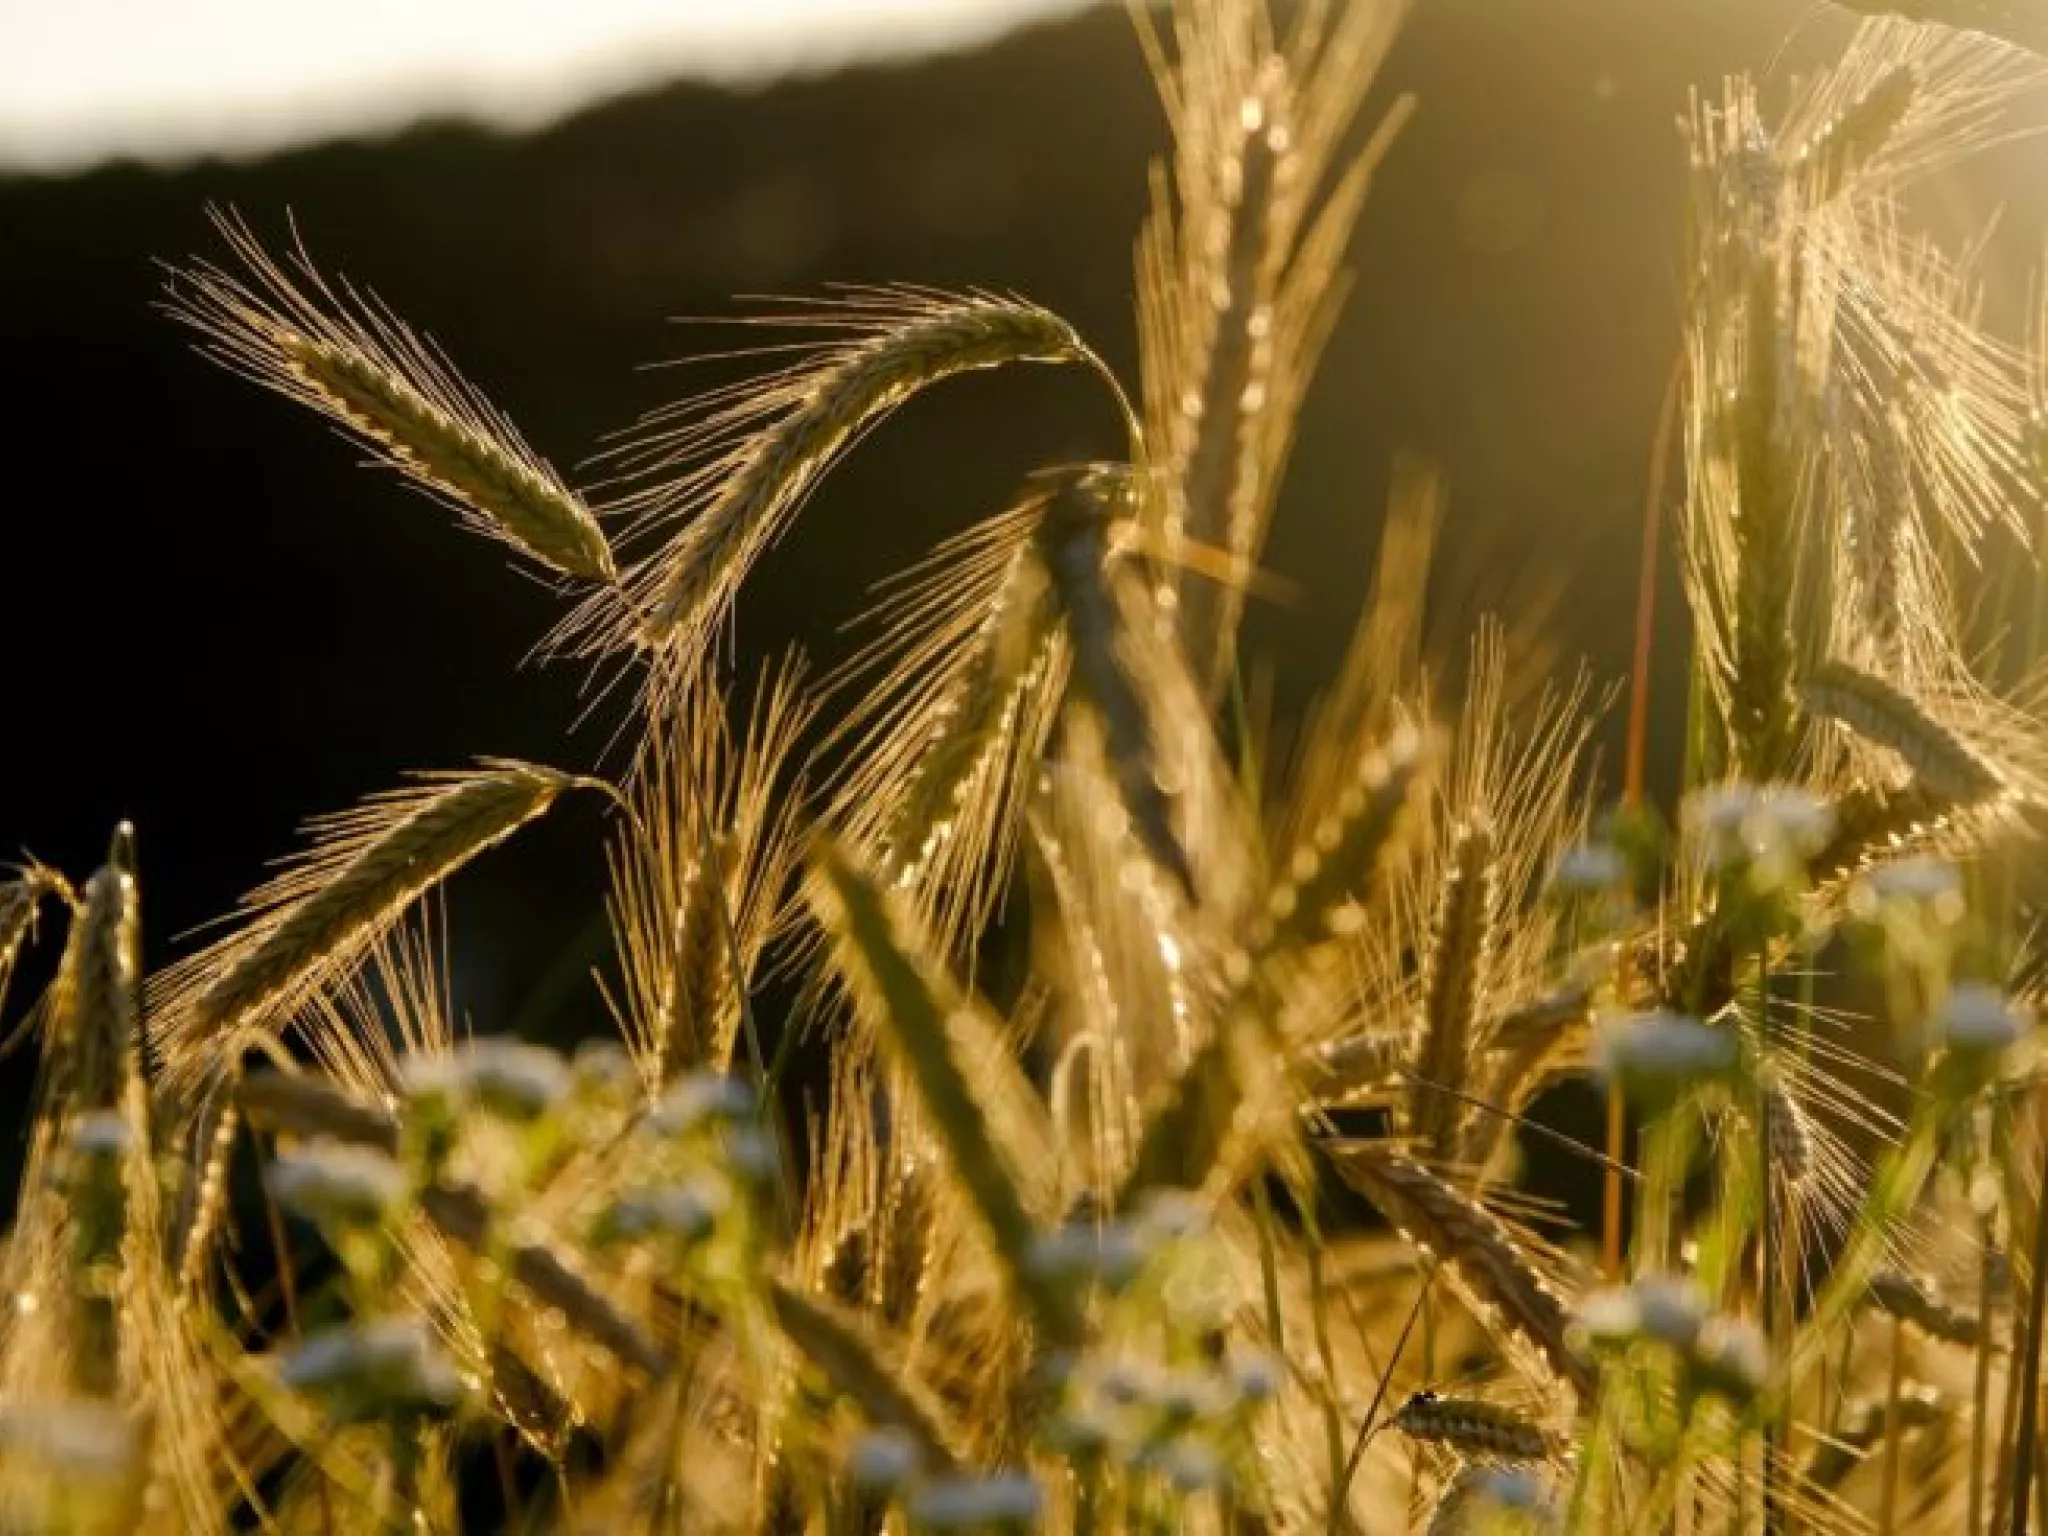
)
(808, 418)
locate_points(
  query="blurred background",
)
(220, 624)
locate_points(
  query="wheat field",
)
(1208, 1213)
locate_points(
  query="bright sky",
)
(165, 79)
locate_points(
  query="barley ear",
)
(99, 984)
(283, 326)
(912, 1000)
(860, 1365)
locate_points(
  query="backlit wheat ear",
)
(1481, 1258)
(345, 356)
(1882, 715)
(1790, 1127)
(1224, 1101)
(1872, 824)
(22, 899)
(2018, 22)
(1320, 891)
(736, 467)
(841, 1345)
(1454, 993)
(1238, 274)
(701, 868)
(1854, 137)
(99, 987)
(1076, 537)
(311, 924)
(958, 695)
(913, 1002)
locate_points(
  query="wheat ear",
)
(1472, 1426)
(1320, 892)
(958, 693)
(1455, 990)
(99, 984)
(914, 1001)
(1910, 1300)
(700, 872)
(2019, 22)
(1076, 538)
(808, 417)
(860, 1365)
(1480, 1257)
(1218, 1099)
(21, 903)
(355, 363)
(1852, 138)
(1879, 713)
(312, 923)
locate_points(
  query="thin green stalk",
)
(1888, 1495)
(2030, 1377)
(1980, 1416)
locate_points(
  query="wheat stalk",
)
(288, 329)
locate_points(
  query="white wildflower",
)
(332, 1182)
(703, 1098)
(1730, 1359)
(374, 1369)
(967, 1503)
(1977, 1020)
(1916, 879)
(77, 1439)
(1589, 869)
(882, 1460)
(100, 1134)
(1657, 1054)
(686, 1212)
